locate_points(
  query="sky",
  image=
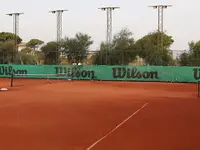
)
(180, 20)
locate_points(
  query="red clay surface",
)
(72, 115)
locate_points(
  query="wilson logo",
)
(134, 73)
(8, 70)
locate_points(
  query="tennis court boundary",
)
(118, 126)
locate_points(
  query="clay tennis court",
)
(86, 115)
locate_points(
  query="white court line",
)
(98, 141)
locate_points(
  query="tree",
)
(39, 56)
(6, 50)
(27, 50)
(7, 47)
(7, 36)
(34, 43)
(76, 48)
(50, 53)
(194, 48)
(122, 50)
(26, 59)
(185, 59)
(147, 49)
(25, 56)
(2, 53)
(192, 58)
(100, 57)
(91, 58)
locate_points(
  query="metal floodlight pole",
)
(59, 27)
(160, 15)
(15, 30)
(109, 24)
(59, 22)
(160, 25)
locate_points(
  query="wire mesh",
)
(112, 57)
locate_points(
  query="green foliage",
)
(6, 51)
(185, 59)
(122, 50)
(192, 58)
(100, 57)
(26, 50)
(39, 56)
(76, 48)
(7, 36)
(124, 45)
(26, 59)
(7, 47)
(147, 49)
(50, 53)
(34, 43)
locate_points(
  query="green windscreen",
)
(100, 72)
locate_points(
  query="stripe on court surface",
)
(119, 125)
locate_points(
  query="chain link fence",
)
(131, 57)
